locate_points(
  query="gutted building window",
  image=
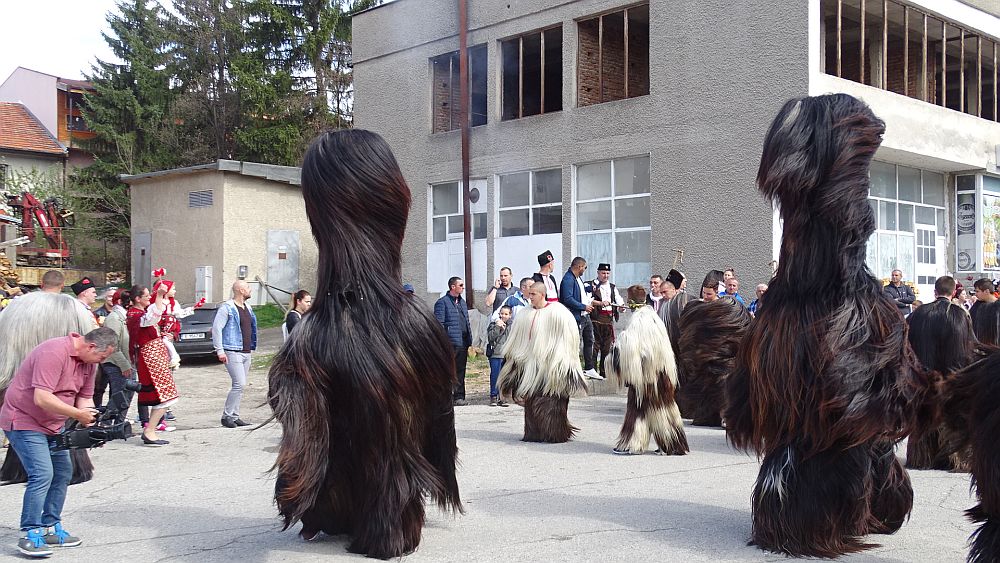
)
(446, 214)
(898, 47)
(447, 111)
(200, 199)
(532, 73)
(530, 203)
(613, 58)
(612, 217)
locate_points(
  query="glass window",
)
(440, 227)
(514, 223)
(933, 188)
(909, 184)
(547, 220)
(632, 212)
(966, 183)
(925, 215)
(883, 180)
(906, 217)
(596, 248)
(905, 246)
(940, 223)
(514, 189)
(547, 186)
(632, 176)
(593, 181)
(445, 199)
(594, 216)
(479, 226)
(887, 254)
(455, 224)
(887, 215)
(632, 254)
(991, 184)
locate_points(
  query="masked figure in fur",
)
(542, 367)
(643, 361)
(824, 383)
(363, 386)
(24, 324)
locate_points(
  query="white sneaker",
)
(592, 374)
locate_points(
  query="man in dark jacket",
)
(900, 292)
(453, 314)
(574, 297)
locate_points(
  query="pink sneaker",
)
(162, 427)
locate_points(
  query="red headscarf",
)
(168, 284)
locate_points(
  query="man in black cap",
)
(86, 295)
(605, 314)
(546, 263)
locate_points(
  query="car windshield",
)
(200, 317)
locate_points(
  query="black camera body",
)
(110, 424)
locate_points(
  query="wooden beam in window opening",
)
(996, 76)
(840, 29)
(979, 76)
(861, 60)
(924, 79)
(885, 44)
(600, 59)
(961, 70)
(541, 72)
(906, 50)
(944, 64)
(520, 77)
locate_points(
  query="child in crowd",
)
(497, 337)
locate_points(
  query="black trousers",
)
(604, 337)
(587, 332)
(116, 384)
(101, 383)
(461, 360)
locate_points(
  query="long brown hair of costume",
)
(824, 383)
(363, 385)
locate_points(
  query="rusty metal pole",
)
(463, 71)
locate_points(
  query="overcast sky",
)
(59, 37)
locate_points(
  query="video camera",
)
(110, 423)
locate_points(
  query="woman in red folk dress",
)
(151, 358)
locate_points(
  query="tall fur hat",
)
(544, 258)
(82, 285)
(675, 278)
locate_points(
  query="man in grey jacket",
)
(899, 292)
(117, 368)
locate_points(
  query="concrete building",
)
(57, 103)
(209, 225)
(630, 132)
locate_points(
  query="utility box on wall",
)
(203, 284)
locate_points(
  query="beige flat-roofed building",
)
(209, 225)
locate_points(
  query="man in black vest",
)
(605, 313)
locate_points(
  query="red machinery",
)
(52, 219)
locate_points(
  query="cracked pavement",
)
(207, 497)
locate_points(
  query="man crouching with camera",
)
(54, 383)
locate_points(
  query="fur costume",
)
(941, 336)
(824, 382)
(971, 405)
(25, 323)
(643, 360)
(362, 387)
(542, 368)
(710, 333)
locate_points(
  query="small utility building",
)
(212, 224)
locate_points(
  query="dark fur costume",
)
(824, 383)
(711, 332)
(941, 336)
(28, 321)
(542, 369)
(987, 323)
(670, 313)
(362, 388)
(971, 405)
(643, 360)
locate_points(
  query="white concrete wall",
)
(37, 91)
(25, 163)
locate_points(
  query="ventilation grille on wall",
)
(200, 199)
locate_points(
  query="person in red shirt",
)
(54, 383)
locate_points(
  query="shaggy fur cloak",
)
(362, 387)
(25, 323)
(542, 369)
(941, 336)
(643, 361)
(710, 333)
(971, 406)
(824, 383)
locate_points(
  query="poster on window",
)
(965, 215)
(991, 228)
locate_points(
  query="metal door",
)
(142, 258)
(203, 283)
(283, 262)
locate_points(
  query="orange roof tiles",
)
(21, 131)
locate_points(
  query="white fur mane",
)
(644, 352)
(542, 354)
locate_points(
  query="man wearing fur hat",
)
(606, 299)
(86, 295)
(546, 263)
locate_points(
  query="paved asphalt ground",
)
(207, 497)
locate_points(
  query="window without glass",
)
(898, 47)
(531, 74)
(612, 216)
(613, 58)
(446, 97)
(446, 214)
(530, 203)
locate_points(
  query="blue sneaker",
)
(59, 537)
(33, 544)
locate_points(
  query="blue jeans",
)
(495, 365)
(49, 474)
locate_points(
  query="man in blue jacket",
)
(453, 314)
(573, 296)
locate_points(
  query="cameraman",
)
(54, 383)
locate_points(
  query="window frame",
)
(481, 215)
(520, 71)
(531, 206)
(454, 94)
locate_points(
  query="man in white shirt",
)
(604, 297)
(546, 263)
